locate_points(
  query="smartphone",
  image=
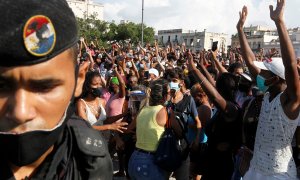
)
(146, 74)
(214, 46)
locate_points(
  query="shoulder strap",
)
(247, 108)
(89, 141)
(245, 112)
(185, 100)
(83, 101)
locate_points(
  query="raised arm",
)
(136, 71)
(218, 64)
(246, 51)
(204, 70)
(122, 91)
(292, 93)
(227, 107)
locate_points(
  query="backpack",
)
(171, 150)
(181, 111)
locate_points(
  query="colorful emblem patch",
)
(39, 35)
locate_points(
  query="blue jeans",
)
(141, 167)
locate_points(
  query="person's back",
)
(148, 131)
(39, 137)
(149, 128)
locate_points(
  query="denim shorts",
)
(141, 167)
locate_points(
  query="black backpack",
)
(182, 112)
(171, 150)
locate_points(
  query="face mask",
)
(111, 89)
(260, 81)
(26, 148)
(96, 92)
(174, 86)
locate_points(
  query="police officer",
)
(39, 79)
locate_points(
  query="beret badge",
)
(39, 35)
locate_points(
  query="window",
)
(192, 42)
(198, 42)
(169, 38)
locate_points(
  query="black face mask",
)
(111, 89)
(96, 92)
(26, 148)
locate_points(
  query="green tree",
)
(105, 32)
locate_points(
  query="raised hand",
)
(277, 14)
(243, 17)
(190, 62)
(201, 61)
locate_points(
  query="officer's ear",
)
(83, 69)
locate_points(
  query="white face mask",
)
(174, 86)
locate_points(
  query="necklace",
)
(94, 108)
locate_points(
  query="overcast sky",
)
(213, 15)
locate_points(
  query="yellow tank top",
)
(148, 132)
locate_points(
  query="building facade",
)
(257, 36)
(87, 8)
(193, 40)
(267, 39)
(295, 38)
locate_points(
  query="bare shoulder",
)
(290, 107)
(161, 117)
(80, 102)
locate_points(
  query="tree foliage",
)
(106, 32)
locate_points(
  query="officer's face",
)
(35, 97)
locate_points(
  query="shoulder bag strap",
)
(246, 111)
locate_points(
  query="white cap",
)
(246, 76)
(153, 71)
(275, 65)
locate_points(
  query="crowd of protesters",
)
(240, 107)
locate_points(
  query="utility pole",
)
(87, 9)
(142, 23)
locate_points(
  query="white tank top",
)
(272, 150)
(91, 117)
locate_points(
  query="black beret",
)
(34, 31)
